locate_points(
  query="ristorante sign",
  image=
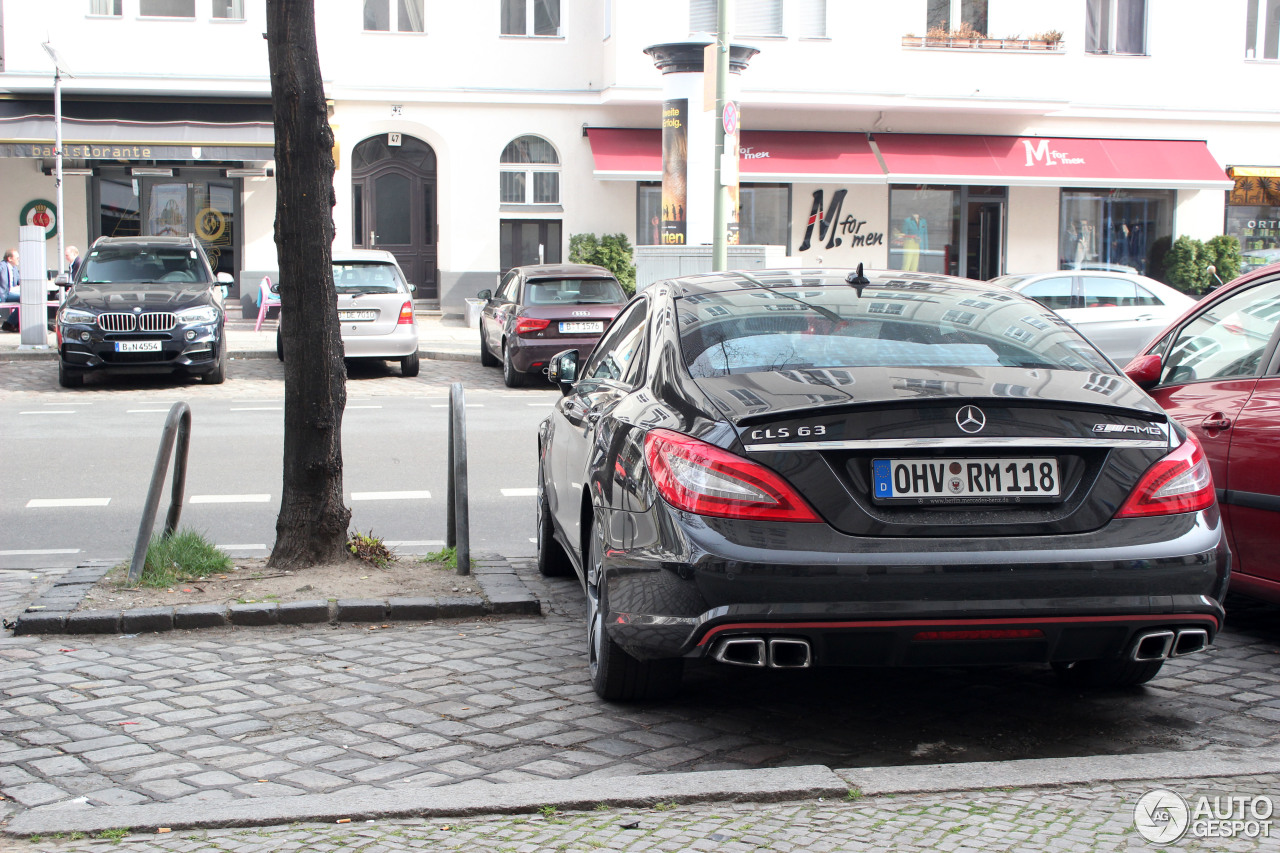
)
(137, 151)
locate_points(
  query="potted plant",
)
(912, 40)
(1048, 40)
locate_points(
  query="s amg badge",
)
(971, 419)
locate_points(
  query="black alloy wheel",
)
(512, 377)
(410, 365)
(69, 378)
(552, 560)
(487, 358)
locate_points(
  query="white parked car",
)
(1120, 313)
(375, 309)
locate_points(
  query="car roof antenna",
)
(858, 280)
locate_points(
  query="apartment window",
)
(106, 8)
(530, 172)
(758, 17)
(400, 16)
(1116, 26)
(1262, 30)
(957, 15)
(531, 17)
(167, 8)
(229, 9)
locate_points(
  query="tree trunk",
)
(313, 520)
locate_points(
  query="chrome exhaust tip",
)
(1154, 645)
(789, 653)
(741, 651)
(1189, 641)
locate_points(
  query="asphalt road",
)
(78, 463)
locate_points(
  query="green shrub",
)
(370, 548)
(1186, 264)
(611, 251)
(1223, 252)
(184, 556)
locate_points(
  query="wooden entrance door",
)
(393, 202)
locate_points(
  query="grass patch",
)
(853, 794)
(370, 548)
(185, 556)
(448, 557)
(113, 834)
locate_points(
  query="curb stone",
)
(54, 612)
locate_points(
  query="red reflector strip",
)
(999, 634)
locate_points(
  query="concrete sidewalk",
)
(442, 337)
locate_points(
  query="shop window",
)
(801, 18)
(401, 16)
(1262, 30)
(531, 17)
(1116, 26)
(529, 241)
(536, 176)
(1118, 230)
(232, 10)
(1253, 217)
(167, 8)
(957, 16)
(924, 228)
(106, 8)
(764, 214)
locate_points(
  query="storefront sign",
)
(42, 213)
(1041, 153)
(119, 151)
(849, 231)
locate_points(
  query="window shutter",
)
(757, 18)
(809, 18)
(702, 16)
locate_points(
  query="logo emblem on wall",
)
(41, 213)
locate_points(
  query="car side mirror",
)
(1145, 370)
(562, 370)
(224, 278)
(62, 280)
(485, 294)
(412, 288)
(274, 287)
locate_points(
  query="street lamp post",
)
(58, 68)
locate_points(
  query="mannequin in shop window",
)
(915, 239)
(1080, 242)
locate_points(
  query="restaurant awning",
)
(635, 154)
(139, 130)
(1041, 161)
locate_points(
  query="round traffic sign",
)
(730, 118)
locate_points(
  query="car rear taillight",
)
(406, 314)
(1180, 482)
(697, 477)
(530, 324)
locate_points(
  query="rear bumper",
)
(398, 344)
(677, 584)
(532, 354)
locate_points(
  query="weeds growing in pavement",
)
(370, 548)
(185, 556)
(448, 557)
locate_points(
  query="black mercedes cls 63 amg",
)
(830, 468)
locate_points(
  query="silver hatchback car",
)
(375, 309)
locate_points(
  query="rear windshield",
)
(136, 265)
(913, 324)
(367, 277)
(574, 291)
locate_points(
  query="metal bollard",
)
(459, 533)
(178, 424)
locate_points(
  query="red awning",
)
(1050, 162)
(635, 154)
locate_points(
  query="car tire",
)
(616, 675)
(69, 378)
(1107, 673)
(553, 562)
(279, 346)
(512, 377)
(219, 373)
(410, 365)
(487, 358)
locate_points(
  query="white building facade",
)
(472, 137)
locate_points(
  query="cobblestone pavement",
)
(1093, 818)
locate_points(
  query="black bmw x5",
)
(812, 468)
(143, 305)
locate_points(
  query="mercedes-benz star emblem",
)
(971, 419)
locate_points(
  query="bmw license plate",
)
(582, 327)
(138, 346)
(1003, 480)
(357, 316)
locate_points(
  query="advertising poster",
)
(675, 171)
(167, 213)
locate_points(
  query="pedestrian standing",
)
(9, 284)
(72, 254)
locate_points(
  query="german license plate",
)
(968, 480)
(357, 316)
(138, 346)
(582, 327)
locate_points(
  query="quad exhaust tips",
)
(758, 652)
(1161, 645)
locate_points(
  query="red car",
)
(1217, 371)
(541, 310)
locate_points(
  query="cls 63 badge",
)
(783, 433)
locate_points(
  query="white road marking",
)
(229, 499)
(257, 408)
(145, 411)
(390, 496)
(465, 405)
(413, 543)
(541, 405)
(363, 407)
(50, 412)
(39, 552)
(520, 493)
(36, 503)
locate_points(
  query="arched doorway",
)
(393, 205)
